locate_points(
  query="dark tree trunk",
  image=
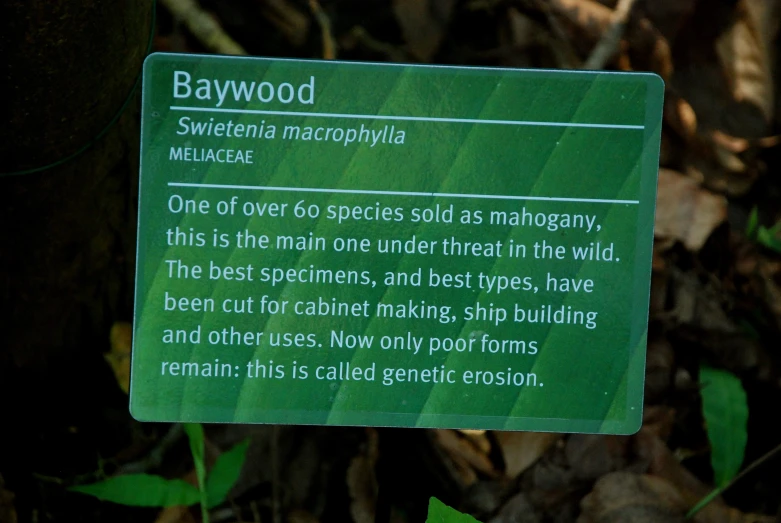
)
(67, 236)
(66, 231)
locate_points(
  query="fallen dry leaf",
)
(622, 496)
(517, 510)
(685, 211)
(585, 22)
(590, 17)
(203, 26)
(478, 438)
(662, 463)
(458, 468)
(680, 116)
(744, 54)
(659, 421)
(121, 337)
(521, 450)
(423, 24)
(724, 69)
(719, 169)
(176, 514)
(593, 455)
(689, 490)
(461, 448)
(700, 304)
(740, 145)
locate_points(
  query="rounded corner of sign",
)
(632, 425)
(139, 414)
(153, 57)
(655, 81)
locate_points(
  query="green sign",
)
(373, 244)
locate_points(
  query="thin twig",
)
(236, 510)
(48, 479)
(720, 490)
(608, 44)
(155, 456)
(253, 505)
(329, 44)
(203, 26)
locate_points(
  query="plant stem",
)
(719, 490)
(713, 494)
(197, 449)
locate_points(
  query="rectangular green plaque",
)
(402, 245)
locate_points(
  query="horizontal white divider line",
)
(406, 118)
(398, 193)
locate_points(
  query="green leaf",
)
(753, 222)
(769, 237)
(438, 512)
(225, 473)
(142, 490)
(725, 410)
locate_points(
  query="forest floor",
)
(716, 287)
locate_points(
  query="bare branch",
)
(608, 44)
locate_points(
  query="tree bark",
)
(67, 234)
